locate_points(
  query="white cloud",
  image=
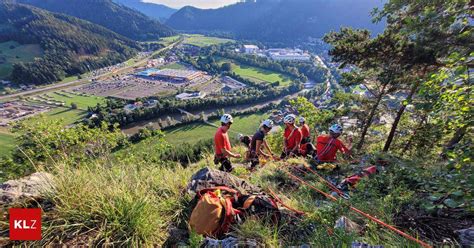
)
(204, 4)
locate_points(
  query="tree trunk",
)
(410, 141)
(400, 112)
(368, 121)
(457, 137)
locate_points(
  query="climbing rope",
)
(390, 227)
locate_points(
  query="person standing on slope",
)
(222, 145)
(328, 145)
(258, 143)
(292, 137)
(306, 147)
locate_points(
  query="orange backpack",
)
(214, 213)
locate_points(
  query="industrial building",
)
(170, 74)
(250, 49)
(190, 95)
(288, 54)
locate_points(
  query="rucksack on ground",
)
(214, 211)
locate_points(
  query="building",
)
(190, 95)
(170, 74)
(250, 49)
(288, 54)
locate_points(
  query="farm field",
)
(176, 66)
(13, 52)
(168, 40)
(82, 101)
(193, 133)
(67, 115)
(257, 75)
(203, 41)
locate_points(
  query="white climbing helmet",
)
(302, 119)
(289, 119)
(226, 118)
(336, 128)
(267, 123)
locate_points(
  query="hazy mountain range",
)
(278, 20)
(157, 11)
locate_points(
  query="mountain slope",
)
(118, 18)
(70, 45)
(157, 11)
(284, 20)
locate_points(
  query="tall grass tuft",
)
(123, 205)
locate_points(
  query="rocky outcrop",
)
(32, 187)
(208, 177)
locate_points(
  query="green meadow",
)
(12, 52)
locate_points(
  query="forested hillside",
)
(158, 11)
(284, 20)
(70, 45)
(118, 18)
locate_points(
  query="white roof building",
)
(191, 95)
(251, 48)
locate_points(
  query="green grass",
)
(20, 53)
(176, 66)
(203, 41)
(257, 75)
(82, 101)
(7, 143)
(195, 132)
(168, 40)
(68, 115)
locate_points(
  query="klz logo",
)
(25, 223)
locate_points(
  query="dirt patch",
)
(440, 228)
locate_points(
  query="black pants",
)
(289, 154)
(226, 165)
(253, 157)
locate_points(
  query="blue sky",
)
(204, 4)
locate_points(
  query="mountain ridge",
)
(160, 12)
(283, 20)
(71, 45)
(118, 18)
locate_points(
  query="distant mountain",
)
(284, 20)
(157, 11)
(118, 18)
(71, 45)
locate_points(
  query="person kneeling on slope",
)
(258, 139)
(292, 137)
(328, 145)
(222, 145)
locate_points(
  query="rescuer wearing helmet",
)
(306, 135)
(222, 145)
(292, 137)
(328, 145)
(256, 149)
(307, 148)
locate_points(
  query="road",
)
(85, 80)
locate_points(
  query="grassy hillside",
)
(12, 52)
(118, 18)
(71, 46)
(7, 142)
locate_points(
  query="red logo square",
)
(25, 223)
